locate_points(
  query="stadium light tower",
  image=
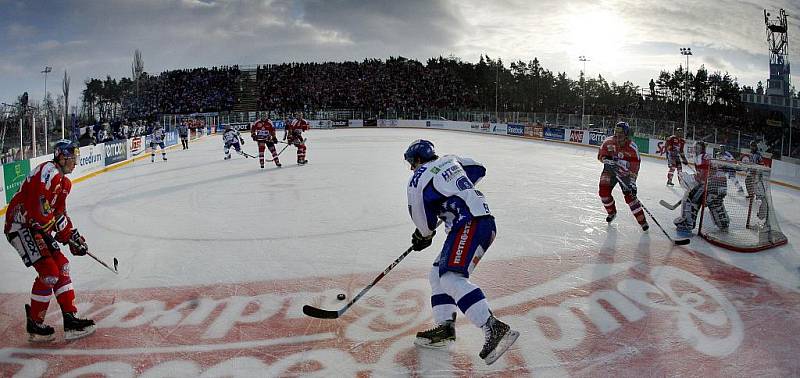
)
(686, 51)
(583, 59)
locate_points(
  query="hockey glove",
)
(77, 244)
(45, 242)
(609, 164)
(419, 242)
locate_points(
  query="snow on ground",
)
(218, 257)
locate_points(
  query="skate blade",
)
(41, 338)
(505, 343)
(426, 344)
(77, 334)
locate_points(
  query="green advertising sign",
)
(643, 144)
(14, 174)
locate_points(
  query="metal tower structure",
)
(778, 44)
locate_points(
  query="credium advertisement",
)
(611, 314)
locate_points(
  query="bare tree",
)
(65, 91)
(137, 68)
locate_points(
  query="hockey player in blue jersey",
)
(442, 189)
(725, 154)
(231, 138)
(157, 139)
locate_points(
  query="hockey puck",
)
(341, 297)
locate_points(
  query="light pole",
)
(686, 52)
(583, 59)
(47, 70)
(496, 85)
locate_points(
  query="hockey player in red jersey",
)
(36, 221)
(294, 133)
(675, 156)
(263, 133)
(620, 158)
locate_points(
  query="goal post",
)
(737, 211)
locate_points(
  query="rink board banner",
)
(515, 129)
(387, 123)
(579, 316)
(657, 147)
(320, 124)
(596, 138)
(340, 123)
(533, 131)
(435, 124)
(355, 123)
(497, 128)
(13, 175)
(116, 152)
(370, 123)
(643, 144)
(234, 125)
(92, 159)
(554, 133)
(576, 136)
(136, 146)
(170, 138)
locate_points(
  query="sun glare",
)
(598, 34)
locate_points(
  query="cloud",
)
(626, 39)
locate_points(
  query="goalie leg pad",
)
(718, 214)
(685, 222)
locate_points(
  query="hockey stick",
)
(103, 263)
(245, 154)
(315, 312)
(677, 242)
(671, 207)
(284, 148)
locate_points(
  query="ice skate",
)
(439, 336)
(76, 328)
(645, 227)
(669, 182)
(611, 217)
(38, 332)
(499, 337)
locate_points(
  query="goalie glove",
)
(419, 242)
(77, 244)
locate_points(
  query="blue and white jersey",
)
(230, 137)
(444, 189)
(158, 135)
(727, 156)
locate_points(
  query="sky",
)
(624, 40)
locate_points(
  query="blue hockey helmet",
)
(420, 149)
(626, 129)
(65, 148)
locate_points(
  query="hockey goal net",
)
(737, 213)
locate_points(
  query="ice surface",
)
(217, 258)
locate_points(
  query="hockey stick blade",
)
(682, 242)
(668, 206)
(315, 312)
(320, 313)
(103, 262)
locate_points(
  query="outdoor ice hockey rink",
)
(217, 259)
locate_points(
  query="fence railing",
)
(25, 138)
